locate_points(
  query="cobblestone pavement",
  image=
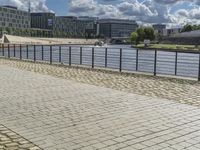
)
(183, 91)
(10, 140)
(58, 114)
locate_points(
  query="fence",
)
(166, 62)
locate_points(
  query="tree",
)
(158, 37)
(134, 37)
(187, 28)
(149, 33)
(141, 34)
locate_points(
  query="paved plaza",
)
(54, 113)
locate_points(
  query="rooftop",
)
(8, 6)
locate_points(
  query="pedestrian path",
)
(57, 114)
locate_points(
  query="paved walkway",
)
(10, 140)
(61, 114)
(182, 91)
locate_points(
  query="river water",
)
(187, 63)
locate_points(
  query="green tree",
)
(187, 28)
(134, 37)
(158, 37)
(141, 34)
(149, 33)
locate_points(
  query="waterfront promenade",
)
(53, 107)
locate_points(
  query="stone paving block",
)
(10, 140)
(56, 114)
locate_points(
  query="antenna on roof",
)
(29, 6)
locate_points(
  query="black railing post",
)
(42, 52)
(70, 56)
(93, 57)
(51, 54)
(27, 51)
(120, 61)
(155, 63)
(14, 50)
(3, 53)
(1, 48)
(20, 51)
(60, 54)
(199, 67)
(34, 53)
(136, 63)
(176, 61)
(106, 57)
(81, 53)
(8, 50)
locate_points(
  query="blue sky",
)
(58, 6)
(172, 12)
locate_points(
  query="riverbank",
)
(168, 47)
(46, 41)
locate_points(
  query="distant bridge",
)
(120, 38)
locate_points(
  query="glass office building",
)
(110, 28)
(159, 28)
(43, 20)
(13, 18)
(72, 26)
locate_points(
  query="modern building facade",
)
(72, 26)
(91, 25)
(43, 20)
(65, 25)
(13, 18)
(48, 25)
(112, 28)
(170, 32)
(159, 28)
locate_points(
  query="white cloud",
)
(148, 11)
(36, 5)
(191, 16)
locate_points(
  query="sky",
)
(171, 12)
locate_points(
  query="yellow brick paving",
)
(10, 140)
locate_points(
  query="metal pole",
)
(51, 54)
(199, 67)
(27, 51)
(137, 52)
(3, 50)
(34, 53)
(81, 53)
(14, 51)
(70, 56)
(176, 61)
(8, 50)
(120, 62)
(60, 54)
(42, 52)
(155, 62)
(106, 57)
(20, 51)
(93, 57)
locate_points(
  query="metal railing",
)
(166, 62)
